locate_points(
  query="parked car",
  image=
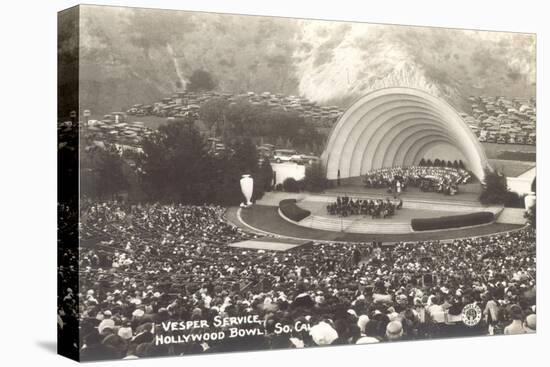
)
(309, 159)
(296, 158)
(264, 151)
(119, 116)
(283, 155)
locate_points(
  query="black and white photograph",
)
(237, 183)
(254, 183)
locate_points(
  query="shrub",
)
(264, 178)
(201, 80)
(291, 185)
(292, 211)
(287, 202)
(495, 190)
(453, 221)
(514, 200)
(531, 216)
(316, 179)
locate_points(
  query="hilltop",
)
(133, 56)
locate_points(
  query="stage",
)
(416, 204)
(265, 220)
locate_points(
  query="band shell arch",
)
(393, 127)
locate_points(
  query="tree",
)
(514, 200)
(111, 173)
(279, 143)
(68, 169)
(291, 185)
(212, 112)
(225, 184)
(531, 216)
(495, 189)
(241, 120)
(315, 179)
(201, 81)
(307, 148)
(102, 172)
(177, 167)
(266, 175)
(244, 119)
(245, 156)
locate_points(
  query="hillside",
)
(139, 56)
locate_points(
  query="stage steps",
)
(327, 224)
(354, 225)
(512, 216)
(378, 227)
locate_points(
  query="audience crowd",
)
(143, 265)
(346, 206)
(427, 178)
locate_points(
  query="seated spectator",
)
(394, 331)
(437, 179)
(530, 324)
(147, 263)
(516, 326)
(345, 206)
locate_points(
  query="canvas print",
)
(237, 183)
